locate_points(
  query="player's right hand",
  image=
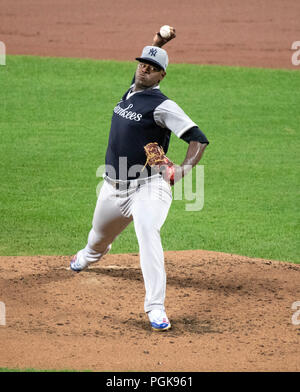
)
(159, 41)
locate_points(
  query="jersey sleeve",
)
(169, 115)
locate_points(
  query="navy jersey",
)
(141, 117)
(132, 127)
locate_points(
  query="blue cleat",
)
(159, 320)
(78, 264)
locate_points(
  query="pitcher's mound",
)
(228, 313)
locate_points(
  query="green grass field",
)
(54, 124)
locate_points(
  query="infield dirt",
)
(228, 312)
(253, 33)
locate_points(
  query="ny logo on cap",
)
(152, 52)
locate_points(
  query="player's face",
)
(148, 75)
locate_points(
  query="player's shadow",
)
(119, 272)
(239, 287)
(180, 326)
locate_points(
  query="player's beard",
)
(142, 82)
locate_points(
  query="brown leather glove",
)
(156, 158)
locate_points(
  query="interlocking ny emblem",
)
(152, 52)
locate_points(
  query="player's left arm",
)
(169, 115)
(171, 172)
(197, 144)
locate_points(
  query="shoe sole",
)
(77, 270)
(161, 329)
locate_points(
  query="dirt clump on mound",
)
(228, 313)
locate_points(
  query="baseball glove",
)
(156, 158)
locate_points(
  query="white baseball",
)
(165, 31)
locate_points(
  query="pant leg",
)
(108, 223)
(150, 209)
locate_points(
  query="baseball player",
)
(138, 177)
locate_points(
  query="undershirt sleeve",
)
(194, 134)
(169, 115)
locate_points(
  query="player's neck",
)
(142, 88)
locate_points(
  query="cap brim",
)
(149, 60)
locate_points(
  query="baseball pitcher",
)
(139, 176)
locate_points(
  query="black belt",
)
(124, 185)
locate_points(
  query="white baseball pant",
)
(147, 205)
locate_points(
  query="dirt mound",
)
(228, 313)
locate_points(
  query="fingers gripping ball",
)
(156, 158)
(165, 31)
